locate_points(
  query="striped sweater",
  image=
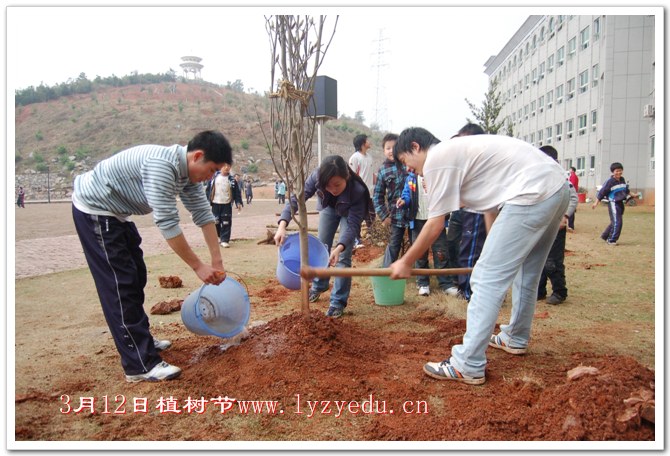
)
(141, 180)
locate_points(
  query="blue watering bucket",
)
(217, 310)
(288, 263)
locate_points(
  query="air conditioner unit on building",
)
(648, 110)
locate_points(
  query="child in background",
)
(414, 195)
(388, 189)
(616, 190)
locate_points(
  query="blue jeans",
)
(514, 254)
(392, 251)
(329, 220)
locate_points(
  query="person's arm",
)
(213, 273)
(601, 194)
(378, 199)
(432, 229)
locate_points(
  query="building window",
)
(571, 88)
(560, 55)
(595, 75)
(532, 108)
(550, 63)
(541, 70)
(584, 37)
(569, 127)
(582, 124)
(652, 152)
(534, 42)
(548, 135)
(592, 162)
(596, 29)
(520, 86)
(532, 138)
(552, 26)
(550, 99)
(526, 80)
(594, 120)
(542, 33)
(539, 137)
(534, 75)
(519, 115)
(572, 46)
(581, 162)
(559, 131)
(540, 103)
(520, 57)
(527, 49)
(583, 81)
(525, 112)
(559, 94)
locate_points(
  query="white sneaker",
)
(162, 371)
(451, 291)
(225, 245)
(424, 291)
(162, 344)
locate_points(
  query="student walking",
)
(616, 190)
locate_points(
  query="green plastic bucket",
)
(388, 292)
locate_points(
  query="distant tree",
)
(237, 86)
(359, 117)
(487, 115)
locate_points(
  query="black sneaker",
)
(555, 299)
(314, 295)
(334, 312)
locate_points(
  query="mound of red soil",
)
(297, 358)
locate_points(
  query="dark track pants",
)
(473, 235)
(554, 268)
(223, 213)
(112, 250)
(613, 230)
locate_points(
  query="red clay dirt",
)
(298, 358)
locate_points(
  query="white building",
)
(585, 85)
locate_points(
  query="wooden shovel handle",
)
(309, 273)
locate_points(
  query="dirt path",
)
(44, 249)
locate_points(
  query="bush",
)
(252, 168)
(39, 136)
(244, 144)
(42, 167)
(38, 157)
(61, 150)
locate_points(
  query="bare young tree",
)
(297, 48)
(487, 115)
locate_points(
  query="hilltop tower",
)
(191, 65)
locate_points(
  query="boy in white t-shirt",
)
(362, 165)
(528, 191)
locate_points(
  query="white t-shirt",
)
(222, 194)
(362, 165)
(481, 172)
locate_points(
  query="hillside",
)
(68, 136)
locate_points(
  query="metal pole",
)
(319, 140)
(48, 186)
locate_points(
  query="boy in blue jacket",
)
(616, 190)
(414, 197)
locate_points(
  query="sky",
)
(400, 66)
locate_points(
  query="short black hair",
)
(470, 129)
(359, 140)
(418, 135)
(215, 146)
(616, 165)
(389, 137)
(549, 150)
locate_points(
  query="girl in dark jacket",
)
(343, 197)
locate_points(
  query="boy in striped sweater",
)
(137, 181)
